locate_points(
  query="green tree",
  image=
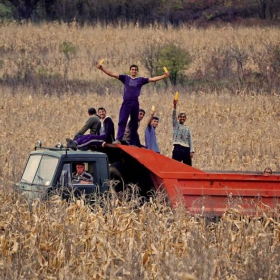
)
(173, 57)
(69, 50)
(5, 11)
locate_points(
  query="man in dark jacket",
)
(126, 137)
(105, 134)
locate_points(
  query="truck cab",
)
(51, 169)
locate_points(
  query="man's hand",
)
(175, 103)
(85, 182)
(166, 74)
(99, 66)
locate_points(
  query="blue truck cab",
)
(51, 169)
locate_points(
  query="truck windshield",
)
(39, 169)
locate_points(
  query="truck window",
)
(46, 170)
(40, 170)
(65, 177)
(31, 168)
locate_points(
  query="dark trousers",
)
(181, 153)
(89, 139)
(128, 108)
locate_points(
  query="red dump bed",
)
(209, 191)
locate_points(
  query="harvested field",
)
(231, 131)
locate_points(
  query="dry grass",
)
(230, 132)
(55, 240)
(36, 48)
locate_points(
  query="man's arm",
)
(151, 118)
(158, 78)
(109, 130)
(191, 146)
(174, 120)
(108, 72)
(85, 127)
(87, 177)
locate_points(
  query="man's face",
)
(141, 116)
(182, 118)
(80, 168)
(267, 172)
(133, 71)
(102, 114)
(154, 123)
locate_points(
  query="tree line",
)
(140, 12)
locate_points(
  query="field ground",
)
(232, 130)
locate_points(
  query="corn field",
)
(232, 130)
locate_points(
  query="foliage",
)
(172, 56)
(143, 12)
(69, 50)
(23, 9)
(5, 12)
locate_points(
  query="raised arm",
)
(108, 72)
(158, 78)
(87, 126)
(151, 118)
(174, 117)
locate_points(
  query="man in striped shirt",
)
(183, 149)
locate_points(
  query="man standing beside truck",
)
(183, 149)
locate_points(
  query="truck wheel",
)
(116, 176)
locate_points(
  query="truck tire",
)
(116, 175)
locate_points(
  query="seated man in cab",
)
(81, 176)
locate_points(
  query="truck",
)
(209, 192)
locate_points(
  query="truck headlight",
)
(59, 145)
(38, 144)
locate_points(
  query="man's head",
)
(133, 70)
(267, 171)
(155, 121)
(141, 115)
(182, 118)
(101, 113)
(80, 167)
(91, 111)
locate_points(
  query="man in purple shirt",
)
(130, 105)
